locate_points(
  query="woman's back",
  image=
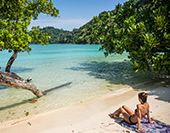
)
(143, 109)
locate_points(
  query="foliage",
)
(54, 33)
(82, 35)
(16, 16)
(141, 28)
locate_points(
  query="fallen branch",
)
(13, 80)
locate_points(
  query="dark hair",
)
(143, 96)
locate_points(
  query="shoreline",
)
(92, 116)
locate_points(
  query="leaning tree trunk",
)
(11, 60)
(13, 80)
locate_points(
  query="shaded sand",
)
(92, 116)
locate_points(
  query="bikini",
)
(133, 123)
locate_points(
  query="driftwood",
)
(13, 80)
(10, 79)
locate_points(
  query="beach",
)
(70, 74)
(92, 116)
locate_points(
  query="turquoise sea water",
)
(83, 69)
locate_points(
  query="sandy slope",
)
(92, 116)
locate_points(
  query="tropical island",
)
(138, 30)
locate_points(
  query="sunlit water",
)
(83, 69)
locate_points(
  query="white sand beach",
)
(92, 116)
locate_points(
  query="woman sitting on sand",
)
(135, 117)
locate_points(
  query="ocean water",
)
(70, 74)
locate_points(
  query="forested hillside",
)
(55, 34)
(82, 35)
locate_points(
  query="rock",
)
(27, 113)
(29, 123)
(34, 100)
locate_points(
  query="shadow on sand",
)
(122, 73)
(57, 87)
(32, 100)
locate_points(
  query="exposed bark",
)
(11, 60)
(13, 80)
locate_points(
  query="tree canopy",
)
(16, 16)
(141, 28)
